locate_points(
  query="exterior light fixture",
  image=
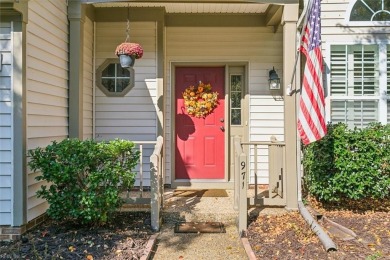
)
(274, 80)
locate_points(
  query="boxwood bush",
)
(84, 178)
(349, 164)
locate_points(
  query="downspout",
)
(326, 241)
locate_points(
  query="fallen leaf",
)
(71, 248)
(89, 257)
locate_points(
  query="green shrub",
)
(84, 178)
(349, 164)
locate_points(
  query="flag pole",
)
(306, 9)
(290, 92)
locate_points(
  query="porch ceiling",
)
(193, 8)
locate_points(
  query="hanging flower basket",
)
(200, 101)
(128, 52)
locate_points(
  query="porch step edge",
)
(176, 217)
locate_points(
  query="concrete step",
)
(176, 217)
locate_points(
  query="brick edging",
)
(15, 233)
(248, 249)
(149, 247)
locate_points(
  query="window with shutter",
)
(355, 88)
(388, 84)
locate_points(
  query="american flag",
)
(311, 119)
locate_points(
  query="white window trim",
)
(99, 77)
(361, 23)
(242, 98)
(382, 96)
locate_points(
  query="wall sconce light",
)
(274, 80)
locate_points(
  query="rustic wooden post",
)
(243, 202)
(155, 190)
(156, 185)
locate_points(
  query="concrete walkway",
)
(190, 246)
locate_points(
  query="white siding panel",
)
(5, 119)
(5, 212)
(5, 95)
(5, 131)
(5, 218)
(88, 79)
(5, 156)
(5, 144)
(5, 168)
(259, 46)
(5, 194)
(5, 181)
(47, 83)
(6, 139)
(134, 116)
(5, 206)
(5, 82)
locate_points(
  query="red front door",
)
(200, 147)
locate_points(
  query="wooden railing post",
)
(156, 185)
(236, 153)
(243, 203)
(155, 193)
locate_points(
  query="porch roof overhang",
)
(270, 10)
(194, 1)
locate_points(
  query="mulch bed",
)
(288, 236)
(124, 237)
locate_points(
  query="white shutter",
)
(388, 70)
(354, 113)
(338, 70)
(365, 70)
(388, 84)
(354, 84)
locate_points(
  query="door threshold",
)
(202, 184)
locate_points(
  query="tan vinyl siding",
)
(134, 116)
(88, 79)
(47, 84)
(6, 139)
(260, 47)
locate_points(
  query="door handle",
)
(222, 128)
